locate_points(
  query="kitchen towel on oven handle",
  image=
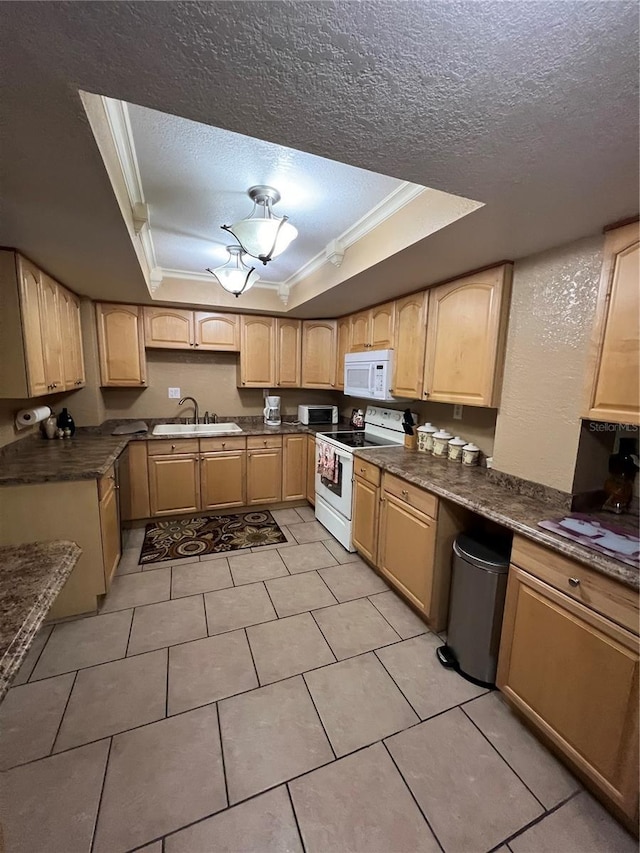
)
(328, 463)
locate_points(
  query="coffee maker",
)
(272, 411)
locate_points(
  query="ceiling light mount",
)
(263, 235)
(235, 276)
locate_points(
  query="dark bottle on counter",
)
(622, 472)
(65, 421)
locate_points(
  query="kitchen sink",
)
(194, 430)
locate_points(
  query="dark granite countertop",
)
(498, 498)
(41, 569)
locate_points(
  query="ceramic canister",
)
(455, 449)
(470, 454)
(441, 443)
(425, 437)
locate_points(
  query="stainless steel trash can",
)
(478, 588)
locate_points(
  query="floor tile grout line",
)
(264, 584)
(427, 629)
(46, 643)
(317, 571)
(255, 668)
(536, 820)
(126, 648)
(166, 688)
(224, 766)
(395, 683)
(412, 795)
(500, 755)
(315, 708)
(66, 705)
(295, 817)
(96, 822)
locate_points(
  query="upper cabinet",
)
(288, 353)
(121, 345)
(176, 328)
(613, 385)
(343, 343)
(372, 329)
(257, 352)
(466, 333)
(409, 332)
(40, 335)
(319, 354)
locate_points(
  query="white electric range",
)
(383, 427)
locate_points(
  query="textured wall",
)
(552, 308)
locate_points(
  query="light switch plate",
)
(174, 394)
(457, 413)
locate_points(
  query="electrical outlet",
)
(457, 413)
(174, 394)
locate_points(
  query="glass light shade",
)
(235, 276)
(258, 236)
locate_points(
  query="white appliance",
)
(272, 411)
(369, 375)
(333, 497)
(318, 415)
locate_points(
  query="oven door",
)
(337, 494)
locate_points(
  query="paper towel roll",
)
(27, 417)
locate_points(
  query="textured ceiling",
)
(195, 178)
(528, 107)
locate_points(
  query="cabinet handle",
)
(224, 443)
(173, 447)
(405, 493)
(142, 381)
(265, 442)
(363, 470)
(574, 581)
(244, 383)
(196, 345)
(426, 393)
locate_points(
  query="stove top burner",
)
(360, 439)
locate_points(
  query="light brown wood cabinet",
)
(177, 328)
(409, 335)
(109, 526)
(466, 333)
(121, 346)
(223, 479)
(288, 353)
(319, 354)
(359, 335)
(311, 469)
(573, 673)
(174, 483)
(366, 505)
(294, 467)
(372, 329)
(343, 346)
(613, 385)
(40, 335)
(264, 475)
(257, 352)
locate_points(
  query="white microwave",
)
(318, 414)
(369, 374)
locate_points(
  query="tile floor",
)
(279, 700)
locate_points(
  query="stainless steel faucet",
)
(183, 400)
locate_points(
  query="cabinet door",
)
(110, 534)
(466, 331)
(409, 334)
(134, 483)
(614, 387)
(289, 353)
(407, 550)
(381, 326)
(264, 476)
(343, 345)
(168, 328)
(174, 484)
(51, 337)
(30, 302)
(71, 332)
(294, 467)
(219, 332)
(575, 675)
(311, 469)
(257, 352)
(319, 354)
(223, 479)
(360, 337)
(366, 500)
(121, 345)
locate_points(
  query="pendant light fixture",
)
(263, 235)
(235, 276)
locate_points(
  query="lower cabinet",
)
(574, 674)
(264, 469)
(174, 484)
(366, 503)
(109, 526)
(294, 467)
(311, 469)
(223, 479)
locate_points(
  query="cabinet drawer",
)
(106, 483)
(208, 445)
(366, 471)
(593, 589)
(259, 442)
(415, 497)
(165, 447)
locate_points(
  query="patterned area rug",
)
(208, 534)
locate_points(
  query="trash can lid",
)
(491, 556)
